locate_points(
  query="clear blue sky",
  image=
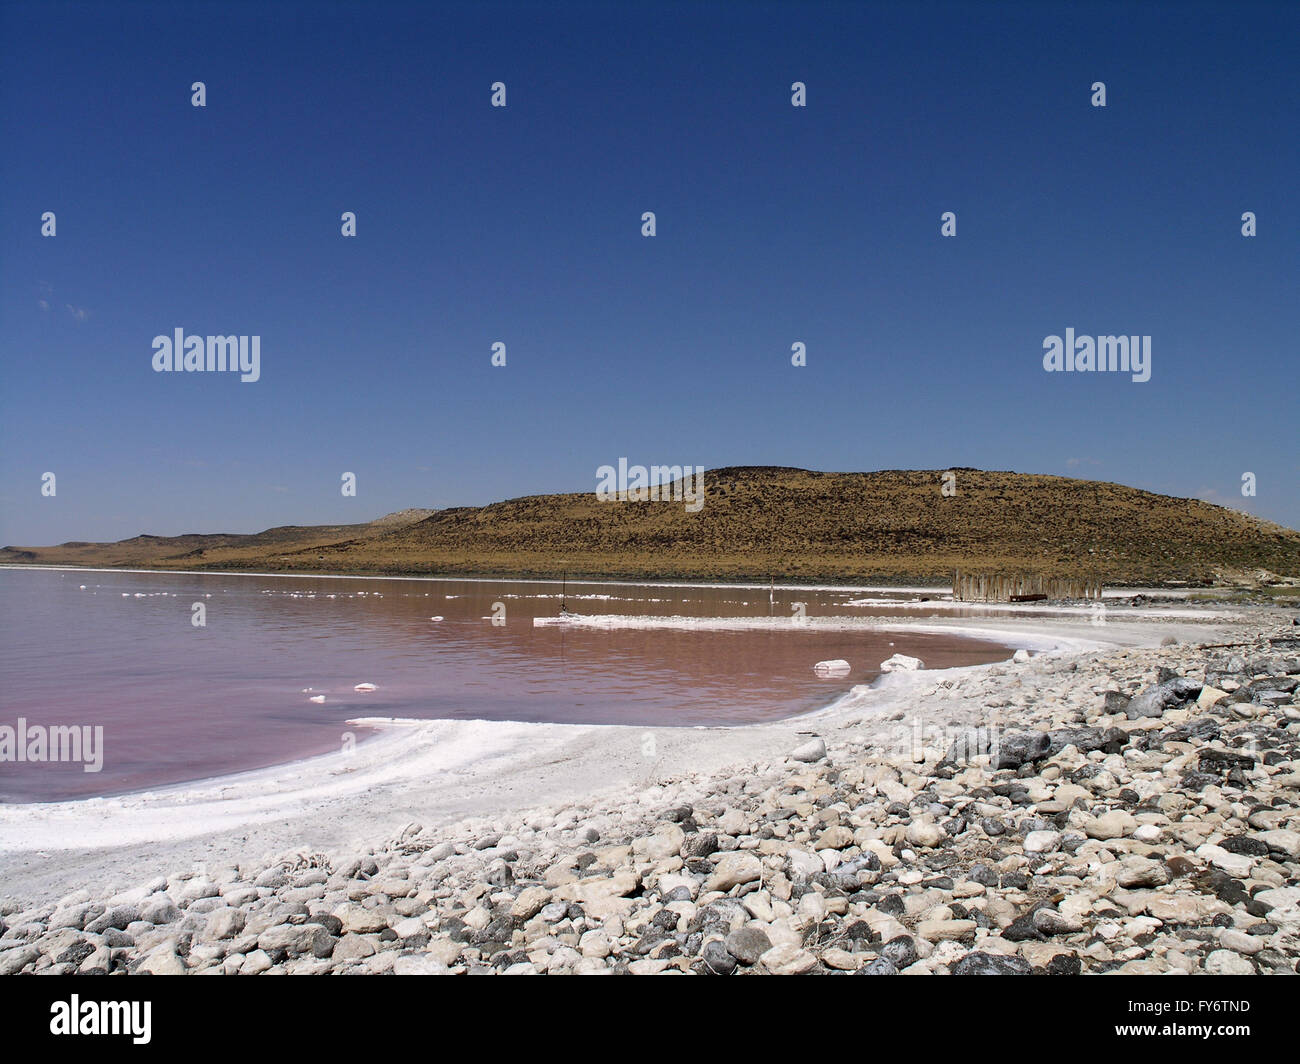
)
(775, 225)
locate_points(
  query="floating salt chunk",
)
(83, 587)
(365, 687)
(317, 698)
(835, 667)
(901, 663)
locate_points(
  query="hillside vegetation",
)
(761, 522)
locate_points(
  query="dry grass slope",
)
(765, 521)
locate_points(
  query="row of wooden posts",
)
(1002, 587)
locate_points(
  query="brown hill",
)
(760, 522)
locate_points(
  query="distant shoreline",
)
(482, 579)
(1116, 590)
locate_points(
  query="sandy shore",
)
(442, 773)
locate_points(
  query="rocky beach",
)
(1128, 809)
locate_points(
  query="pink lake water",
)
(179, 703)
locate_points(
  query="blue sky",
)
(522, 224)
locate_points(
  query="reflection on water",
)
(179, 702)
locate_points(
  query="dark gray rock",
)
(1064, 964)
(1014, 749)
(1115, 702)
(702, 845)
(1246, 844)
(891, 904)
(1112, 740)
(1162, 696)
(747, 944)
(75, 954)
(1198, 730)
(990, 964)
(716, 960)
(1023, 929)
(900, 951)
(1219, 762)
(331, 923)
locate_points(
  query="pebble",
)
(1226, 962)
(813, 750)
(788, 960)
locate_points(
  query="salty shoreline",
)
(1099, 806)
(443, 771)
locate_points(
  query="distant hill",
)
(202, 550)
(760, 522)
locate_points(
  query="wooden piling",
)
(1008, 587)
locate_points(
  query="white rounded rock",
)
(1240, 942)
(924, 833)
(834, 667)
(1042, 841)
(813, 750)
(1225, 962)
